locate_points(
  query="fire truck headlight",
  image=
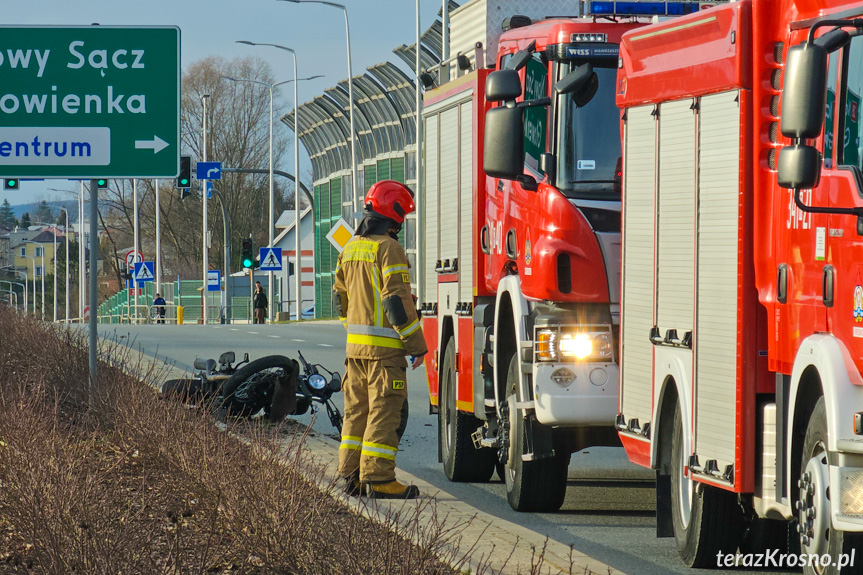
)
(603, 345)
(579, 345)
(851, 481)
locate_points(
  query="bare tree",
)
(238, 136)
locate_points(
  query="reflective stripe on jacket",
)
(370, 270)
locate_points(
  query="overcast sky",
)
(211, 27)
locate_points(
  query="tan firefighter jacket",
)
(372, 295)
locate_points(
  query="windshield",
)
(589, 139)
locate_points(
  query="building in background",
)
(385, 125)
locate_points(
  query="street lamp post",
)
(354, 189)
(204, 99)
(42, 275)
(66, 236)
(296, 191)
(299, 273)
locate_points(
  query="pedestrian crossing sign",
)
(271, 259)
(144, 272)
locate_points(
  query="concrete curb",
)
(493, 542)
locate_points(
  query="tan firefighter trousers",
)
(375, 393)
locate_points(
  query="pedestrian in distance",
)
(260, 303)
(372, 296)
(159, 308)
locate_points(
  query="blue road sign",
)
(271, 259)
(214, 280)
(209, 185)
(143, 272)
(208, 170)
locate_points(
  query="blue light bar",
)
(635, 8)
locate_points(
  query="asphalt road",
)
(609, 509)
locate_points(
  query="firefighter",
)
(372, 296)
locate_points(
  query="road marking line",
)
(252, 332)
(300, 340)
(275, 336)
(324, 345)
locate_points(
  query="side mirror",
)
(804, 92)
(227, 357)
(503, 86)
(799, 167)
(503, 154)
(200, 363)
(522, 57)
(574, 80)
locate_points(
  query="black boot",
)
(353, 486)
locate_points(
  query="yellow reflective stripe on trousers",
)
(351, 442)
(379, 450)
(390, 270)
(411, 327)
(375, 340)
(379, 310)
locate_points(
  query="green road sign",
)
(89, 102)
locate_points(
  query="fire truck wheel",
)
(813, 505)
(530, 485)
(765, 535)
(707, 520)
(461, 460)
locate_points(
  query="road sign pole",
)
(135, 224)
(94, 251)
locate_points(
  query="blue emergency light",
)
(630, 8)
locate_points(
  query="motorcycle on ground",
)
(272, 384)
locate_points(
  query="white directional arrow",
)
(157, 144)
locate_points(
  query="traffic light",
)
(248, 256)
(11, 184)
(101, 183)
(184, 180)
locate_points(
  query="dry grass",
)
(125, 483)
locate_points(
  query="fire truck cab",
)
(741, 343)
(521, 223)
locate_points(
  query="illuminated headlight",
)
(552, 345)
(317, 381)
(851, 481)
(578, 345)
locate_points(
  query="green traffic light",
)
(184, 181)
(13, 182)
(247, 263)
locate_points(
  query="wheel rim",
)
(448, 406)
(514, 429)
(814, 504)
(685, 488)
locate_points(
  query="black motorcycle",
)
(272, 383)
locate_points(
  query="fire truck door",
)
(843, 263)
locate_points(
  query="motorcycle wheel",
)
(255, 373)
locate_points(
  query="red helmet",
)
(390, 199)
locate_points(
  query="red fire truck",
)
(742, 305)
(520, 292)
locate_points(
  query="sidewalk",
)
(495, 543)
